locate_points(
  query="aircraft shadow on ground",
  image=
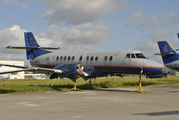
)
(171, 86)
(85, 87)
(174, 91)
(111, 90)
(160, 113)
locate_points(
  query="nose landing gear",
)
(140, 86)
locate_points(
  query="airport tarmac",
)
(160, 103)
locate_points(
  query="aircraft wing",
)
(33, 69)
(70, 70)
(13, 71)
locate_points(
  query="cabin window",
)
(139, 55)
(87, 58)
(69, 58)
(73, 58)
(96, 58)
(65, 58)
(61, 58)
(132, 56)
(110, 58)
(128, 56)
(92, 58)
(80, 59)
(57, 58)
(47, 58)
(105, 58)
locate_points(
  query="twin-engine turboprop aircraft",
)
(87, 64)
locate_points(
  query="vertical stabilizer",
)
(178, 35)
(31, 42)
(168, 54)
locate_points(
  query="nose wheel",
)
(140, 85)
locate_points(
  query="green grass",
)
(23, 86)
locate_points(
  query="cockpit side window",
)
(128, 56)
(140, 55)
(132, 56)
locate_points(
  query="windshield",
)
(139, 55)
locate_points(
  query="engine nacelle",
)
(154, 76)
(165, 72)
(71, 70)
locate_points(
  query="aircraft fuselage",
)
(101, 63)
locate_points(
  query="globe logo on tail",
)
(165, 49)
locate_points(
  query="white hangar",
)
(16, 75)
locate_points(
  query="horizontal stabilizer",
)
(165, 53)
(22, 48)
(33, 48)
(50, 48)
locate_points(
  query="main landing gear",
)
(140, 86)
(74, 89)
(89, 86)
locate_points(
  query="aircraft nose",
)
(165, 71)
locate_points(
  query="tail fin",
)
(168, 54)
(178, 35)
(31, 42)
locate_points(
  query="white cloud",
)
(138, 19)
(22, 3)
(79, 37)
(10, 2)
(11, 36)
(159, 35)
(170, 18)
(151, 47)
(137, 16)
(80, 11)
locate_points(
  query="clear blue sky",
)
(100, 25)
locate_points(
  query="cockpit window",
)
(128, 56)
(132, 56)
(139, 55)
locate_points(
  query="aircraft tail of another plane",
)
(34, 49)
(168, 54)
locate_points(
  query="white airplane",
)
(87, 64)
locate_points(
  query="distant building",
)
(16, 75)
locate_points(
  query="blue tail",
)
(31, 42)
(168, 54)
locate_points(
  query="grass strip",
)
(23, 86)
